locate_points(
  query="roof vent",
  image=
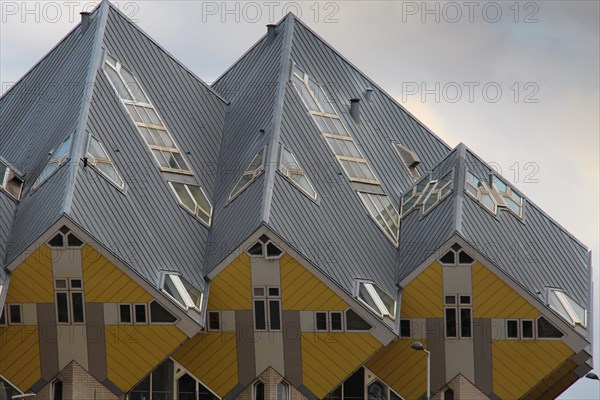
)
(369, 94)
(355, 109)
(85, 21)
(271, 32)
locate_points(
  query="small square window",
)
(214, 321)
(61, 283)
(512, 329)
(259, 292)
(321, 321)
(450, 299)
(76, 284)
(405, 330)
(527, 329)
(336, 321)
(125, 313)
(465, 300)
(140, 314)
(274, 291)
(14, 314)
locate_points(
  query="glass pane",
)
(166, 139)
(146, 135)
(194, 293)
(336, 321)
(527, 329)
(555, 303)
(140, 313)
(159, 314)
(405, 330)
(579, 311)
(354, 387)
(282, 391)
(377, 391)
(321, 123)
(186, 388)
(321, 321)
(304, 184)
(488, 202)
(256, 161)
(184, 196)
(162, 381)
(516, 208)
(244, 180)
(274, 314)
(62, 307)
(354, 322)
(387, 300)
(450, 322)
(335, 146)
(324, 100)
(366, 171)
(545, 329)
(465, 322)
(501, 186)
(133, 86)
(77, 299)
(200, 198)
(118, 84)
(125, 313)
(96, 150)
(512, 329)
(340, 127)
(214, 321)
(365, 296)
(134, 114)
(153, 117)
(331, 126)
(110, 171)
(171, 289)
(260, 317)
(303, 91)
(156, 137)
(259, 391)
(349, 169)
(62, 150)
(141, 391)
(160, 158)
(205, 394)
(143, 115)
(181, 161)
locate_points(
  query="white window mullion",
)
(182, 291)
(371, 290)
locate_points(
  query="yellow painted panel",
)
(20, 355)
(328, 358)
(301, 290)
(231, 289)
(31, 281)
(519, 365)
(423, 296)
(133, 351)
(402, 368)
(492, 298)
(212, 358)
(104, 282)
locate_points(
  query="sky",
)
(517, 82)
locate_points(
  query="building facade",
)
(288, 232)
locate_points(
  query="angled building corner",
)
(288, 232)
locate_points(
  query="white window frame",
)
(508, 193)
(566, 303)
(484, 189)
(415, 193)
(327, 321)
(93, 162)
(287, 172)
(410, 168)
(533, 329)
(179, 286)
(5, 179)
(518, 328)
(382, 309)
(53, 160)
(198, 207)
(438, 190)
(330, 324)
(253, 173)
(131, 311)
(208, 328)
(8, 315)
(366, 196)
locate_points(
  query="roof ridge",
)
(368, 79)
(171, 56)
(79, 136)
(271, 158)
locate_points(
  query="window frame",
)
(267, 298)
(383, 311)
(533, 328)
(199, 208)
(253, 173)
(484, 189)
(457, 306)
(286, 172)
(4, 180)
(93, 163)
(508, 194)
(121, 322)
(439, 191)
(9, 320)
(182, 291)
(366, 198)
(69, 291)
(411, 169)
(518, 324)
(53, 160)
(208, 324)
(316, 321)
(536, 326)
(415, 194)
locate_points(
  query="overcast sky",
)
(516, 82)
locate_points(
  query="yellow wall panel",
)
(19, 355)
(518, 365)
(402, 368)
(104, 282)
(212, 358)
(31, 281)
(133, 351)
(232, 288)
(492, 298)
(328, 358)
(422, 297)
(295, 279)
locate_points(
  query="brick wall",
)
(270, 378)
(463, 390)
(78, 384)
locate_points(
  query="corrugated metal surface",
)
(252, 86)
(145, 226)
(536, 252)
(36, 116)
(7, 212)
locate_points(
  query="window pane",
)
(354, 387)
(274, 314)
(96, 150)
(133, 86)
(465, 322)
(545, 329)
(387, 300)
(205, 394)
(304, 184)
(77, 299)
(117, 83)
(125, 313)
(282, 391)
(557, 305)
(200, 198)
(62, 307)
(162, 381)
(186, 388)
(260, 317)
(405, 328)
(171, 289)
(160, 158)
(259, 391)
(141, 391)
(2, 316)
(365, 296)
(354, 322)
(153, 117)
(527, 329)
(214, 321)
(140, 313)
(512, 329)
(450, 322)
(166, 139)
(57, 390)
(194, 293)
(377, 391)
(321, 321)
(304, 93)
(336, 321)
(184, 196)
(15, 313)
(159, 314)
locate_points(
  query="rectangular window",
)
(458, 316)
(214, 321)
(527, 329)
(125, 314)
(77, 306)
(384, 213)
(451, 322)
(274, 315)
(267, 308)
(321, 321)
(62, 307)
(405, 330)
(141, 316)
(260, 315)
(14, 314)
(512, 329)
(465, 322)
(70, 305)
(336, 321)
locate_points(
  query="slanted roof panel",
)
(7, 213)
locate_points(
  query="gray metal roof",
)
(145, 226)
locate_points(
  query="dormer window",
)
(194, 200)
(59, 157)
(182, 291)
(383, 212)
(508, 197)
(290, 168)
(410, 160)
(10, 182)
(481, 192)
(254, 170)
(567, 308)
(415, 196)
(99, 160)
(376, 299)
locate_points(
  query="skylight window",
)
(376, 299)
(183, 292)
(568, 308)
(383, 212)
(291, 169)
(59, 157)
(481, 192)
(410, 159)
(337, 136)
(415, 196)
(193, 199)
(512, 200)
(10, 182)
(146, 118)
(438, 192)
(254, 170)
(99, 160)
